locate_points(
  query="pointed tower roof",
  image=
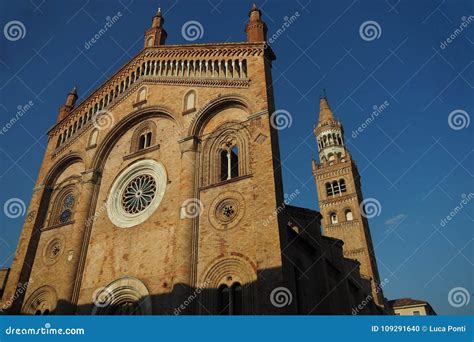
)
(325, 112)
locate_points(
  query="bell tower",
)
(340, 197)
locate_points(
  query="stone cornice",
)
(191, 51)
(242, 49)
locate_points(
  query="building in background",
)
(411, 307)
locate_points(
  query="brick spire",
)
(325, 112)
(256, 28)
(156, 34)
(69, 105)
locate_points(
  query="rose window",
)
(138, 194)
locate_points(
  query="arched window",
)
(144, 141)
(63, 208)
(93, 138)
(333, 218)
(329, 189)
(125, 296)
(342, 185)
(142, 94)
(336, 187)
(229, 163)
(189, 103)
(42, 302)
(230, 299)
(144, 136)
(349, 216)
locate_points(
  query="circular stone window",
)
(227, 210)
(136, 193)
(53, 250)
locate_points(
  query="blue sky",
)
(412, 159)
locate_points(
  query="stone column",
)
(85, 215)
(191, 207)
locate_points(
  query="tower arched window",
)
(336, 187)
(329, 189)
(229, 163)
(342, 185)
(230, 299)
(333, 217)
(349, 215)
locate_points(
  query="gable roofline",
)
(194, 51)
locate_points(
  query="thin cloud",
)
(395, 220)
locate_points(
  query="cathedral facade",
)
(161, 193)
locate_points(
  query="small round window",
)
(136, 193)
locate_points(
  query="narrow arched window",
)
(142, 94)
(93, 138)
(342, 185)
(144, 141)
(329, 189)
(335, 186)
(229, 160)
(223, 305)
(189, 103)
(333, 218)
(224, 166)
(144, 136)
(349, 216)
(234, 162)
